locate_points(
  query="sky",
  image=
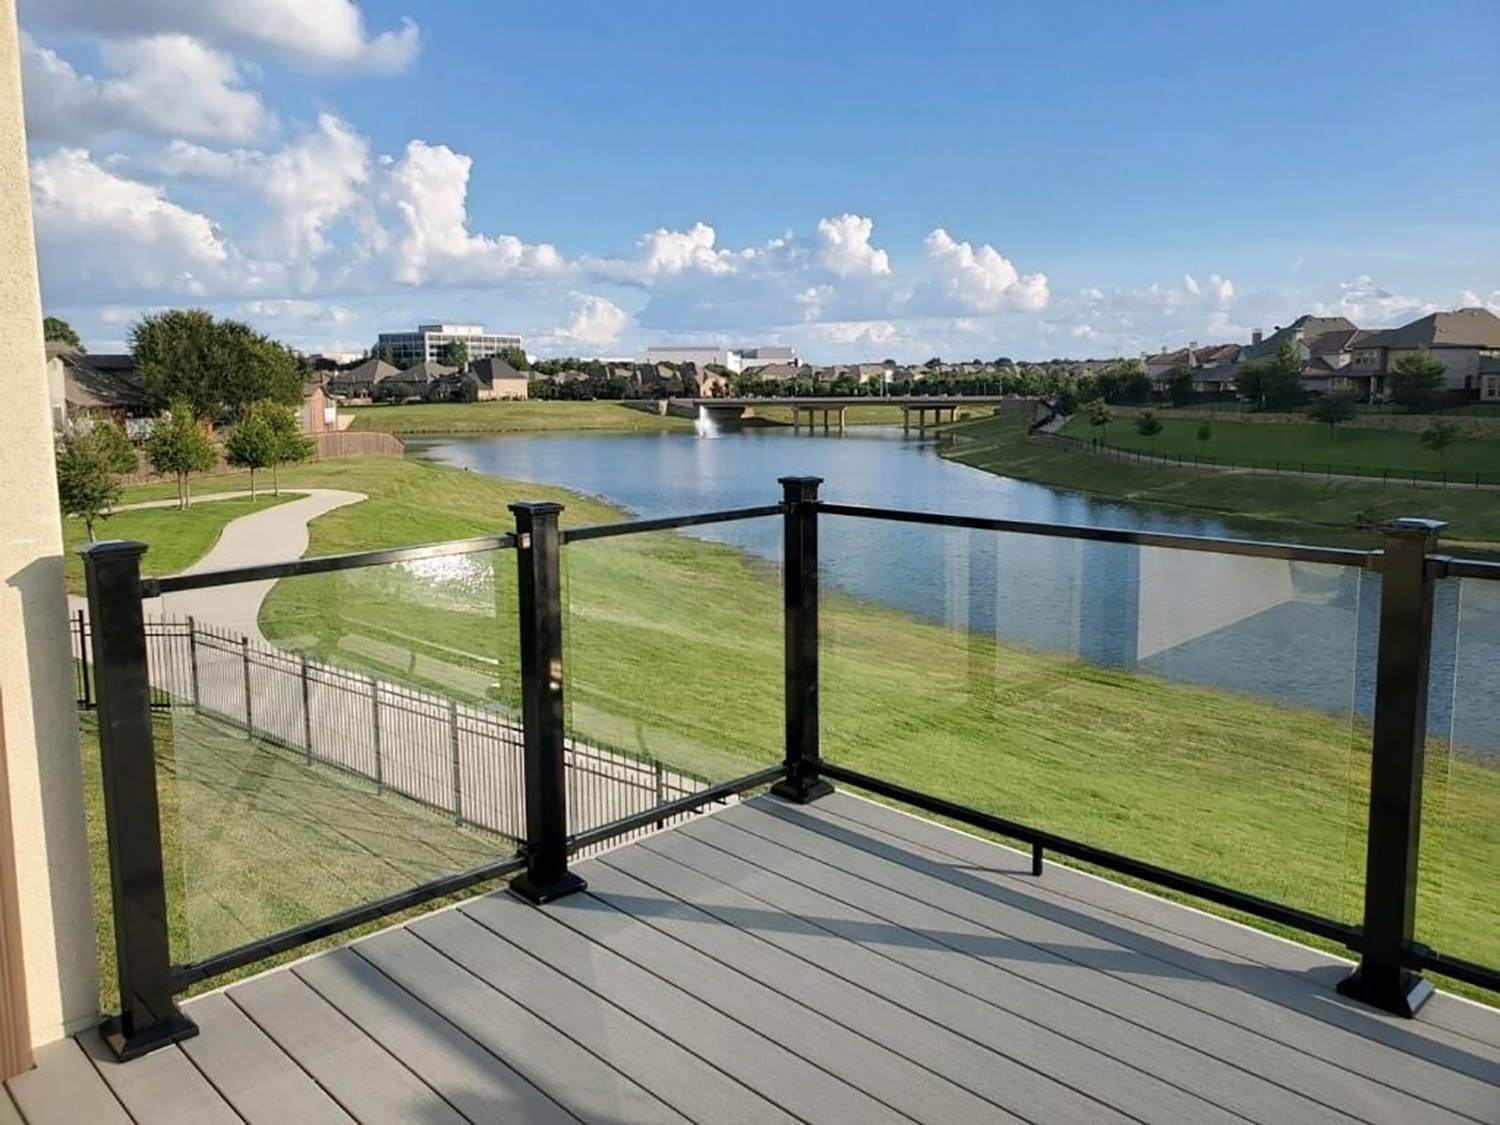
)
(862, 181)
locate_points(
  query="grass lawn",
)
(255, 842)
(1299, 507)
(674, 648)
(1294, 443)
(177, 539)
(509, 418)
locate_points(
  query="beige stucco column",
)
(36, 678)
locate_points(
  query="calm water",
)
(1292, 632)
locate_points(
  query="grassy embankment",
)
(510, 418)
(674, 649)
(177, 539)
(1301, 507)
(1294, 444)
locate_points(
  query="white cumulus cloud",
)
(668, 253)
(983, 280)
(596, 320)
(1370, 305)
(844, 247)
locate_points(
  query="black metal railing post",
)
(539, 586)
(1396, 764)
(149, 1017)
(799, 566)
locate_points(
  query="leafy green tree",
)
(1333, 409)
(177, 447)
(119, 454)
(292, 446)
(1438, 437)
(1066, 401)
(252, 443)
(1180, 385)
(217, 366)
(1205, 433)
(456, 354)
(1148, 425)
(1415, 380)
(86, 482)
(1100, 417)
(516, 357)
(55, 330)
(1275, 382)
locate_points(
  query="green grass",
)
(674, 649)
(1293, 443)
(1282, 506)
(255, 842)
(177, 539)
(509, 418)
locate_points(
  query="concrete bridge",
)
(929, 410)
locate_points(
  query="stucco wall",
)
(36, 675)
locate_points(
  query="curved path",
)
(277, 534)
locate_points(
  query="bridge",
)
(930, 410)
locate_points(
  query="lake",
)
(1298, 633)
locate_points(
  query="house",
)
(709, 384)
(319, 413)
(781, 373)
(1489, 375)
(1160, 366)
(1455, 339)
(1304, 328)
(95, 385)
(359, 382)
(498, 379)
(418, 380)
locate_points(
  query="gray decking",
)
(838, 963)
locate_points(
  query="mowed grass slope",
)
(1286, 506)
(674, 649)
(498, 417)
(1294, 443)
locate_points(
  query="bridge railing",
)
(591, 600)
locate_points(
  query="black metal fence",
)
(1439, 478)
(1390, 958)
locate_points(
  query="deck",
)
(841, 962)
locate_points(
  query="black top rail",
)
(1445, 566)
(666, 523)
(1255, 548)
(322, 564)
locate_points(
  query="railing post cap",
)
(113, 549)
(1410, 527)
(536, 508)
(803, 485)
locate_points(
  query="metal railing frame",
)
(1387, 975)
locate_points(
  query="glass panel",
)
(673, 656)
(1191, 710)
(1458, 904)
(331, 739)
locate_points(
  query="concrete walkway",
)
(277, 534)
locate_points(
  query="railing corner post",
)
(802, 782)
(1397, 761)
(539, 588)
(149, 1017)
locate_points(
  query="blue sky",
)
(858, 180)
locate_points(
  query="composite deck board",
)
(372, 1086)
(254, 1075)
(841, 962)
(814, 1025)
(586, 1084)
(138, 1087)
(1302, 964)
(982, 1000)
(1021, 1068)
(780, 1077)
(1298, 965)
(1019, 925)
(482, 1086)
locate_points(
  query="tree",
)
(1205, 433)
(1100, 417)
(516, 357)
(86, 483)
(1275, 382)
(55, 330)
(1180, 385)
(1414, 380)
(1438, 437)
(1148, 425)
(456, 354)
(177, 446)
(1333, 409)
(217, 366)
(251, 444)
(1066, 401)
(119, 454)
(292, 446)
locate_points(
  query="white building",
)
(429, 341)
(732, 359)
